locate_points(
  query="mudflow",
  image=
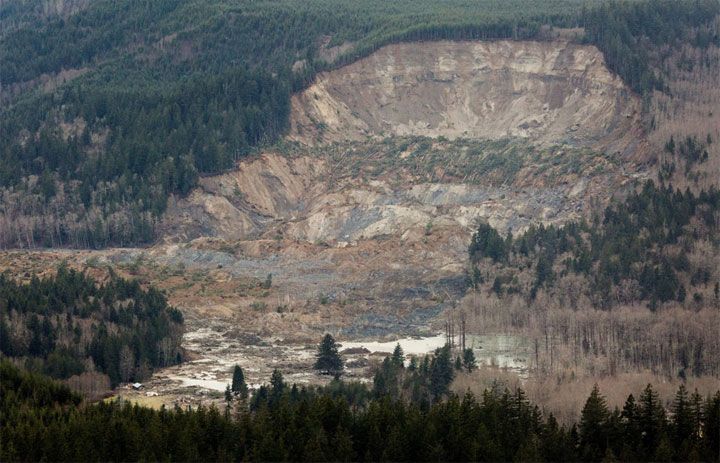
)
(365, 212)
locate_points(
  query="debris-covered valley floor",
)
(214, 352)
(234, 315)
(358, 222)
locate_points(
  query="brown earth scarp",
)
(549, 92)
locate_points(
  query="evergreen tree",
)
(441, 372)
(697, 414)
(631, 429)
(385, 382)
(132, 330)
(593, 431)
(469, 361)
(664, 450)
(711, 427)
(398, 357)
(651, 420)
(328, 360)
(487, 242)
(413, 366)
(43, 420)
(682, 426)
(238, 382)
(277, 384)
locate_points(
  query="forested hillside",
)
(71, 326)
(627, 31)
(110, 107)
(42, 420)
(638, 250)
(645, 269)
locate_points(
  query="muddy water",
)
(499, 350)
(207, 375)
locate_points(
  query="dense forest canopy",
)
(69, 324)
(40, 419)
(109, 107)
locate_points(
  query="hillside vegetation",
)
(598, 295)
(110, 107)
(70, 326)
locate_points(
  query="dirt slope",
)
(389, 165)
(270, 197)
(549, 92)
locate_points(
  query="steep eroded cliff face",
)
(549, 92)
(391, 162)
(514, 133)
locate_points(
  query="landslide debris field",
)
(369, 204)
(362, 216)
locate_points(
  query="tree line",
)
(86, 190)
(69, 324)
(597, 294)
(626, 31)
(43, 420)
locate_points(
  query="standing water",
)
(501, 350)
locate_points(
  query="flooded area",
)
(217, 347)
(498, 350)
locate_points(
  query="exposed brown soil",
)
(550, 92)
